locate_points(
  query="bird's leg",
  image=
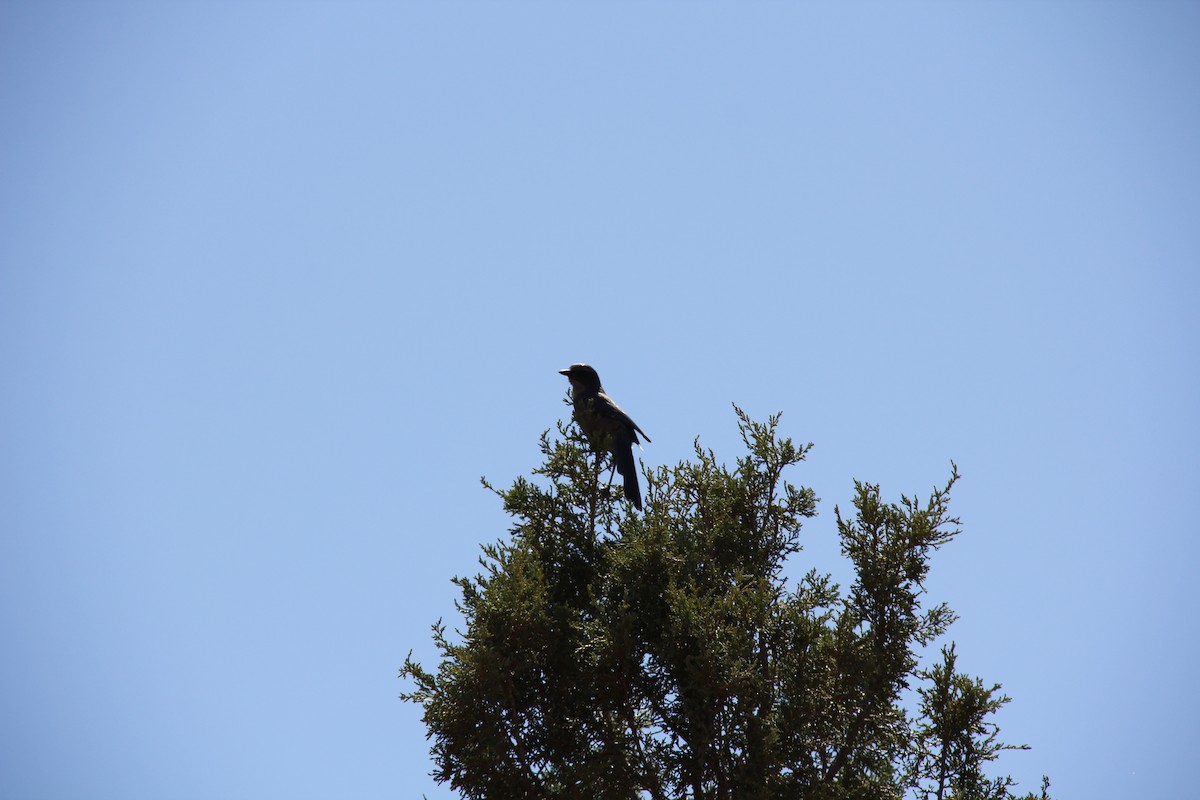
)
(608, 449)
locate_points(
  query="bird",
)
(606, 425)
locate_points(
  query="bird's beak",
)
(566, 372)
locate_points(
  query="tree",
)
(607, 654)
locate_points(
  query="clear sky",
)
(280, 281)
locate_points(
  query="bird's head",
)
(582, 376)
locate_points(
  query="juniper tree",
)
(610, 654)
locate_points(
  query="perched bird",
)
(606, 425)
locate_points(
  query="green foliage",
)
(613, 655)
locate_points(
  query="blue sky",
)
(280, 281)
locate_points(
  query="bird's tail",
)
(623, 455)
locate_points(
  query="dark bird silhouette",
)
(606, 425)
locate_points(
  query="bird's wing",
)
(608, 408)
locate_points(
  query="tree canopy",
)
(611, 654)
